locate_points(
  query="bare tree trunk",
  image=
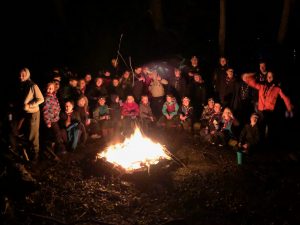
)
(284, 21)
(59, 6)
(222, 27)
(156, 14)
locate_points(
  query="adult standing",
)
(267, 97)
(29, 99)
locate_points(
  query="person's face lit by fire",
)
(138, 70)
(130, 99)
(211, 104)
(81, 102)
(56, 85)
(107, 74)
(50, 88)
(81, 84)
(114, 62)
(227, 114)
(23, 76)
(263, 67)
(198, 78)
(146, 70)
(115, 82)
(194, 61)
(186, 101)
(177, 73)
(99, 81)
(230, 73)
(169, 98)
(73, 82)
(270, 77)
(88, 78)
(126, 74)
(145, 100)
(217, 108)
(101, 101)
(223, 61)
(253, 120)
(69, 107)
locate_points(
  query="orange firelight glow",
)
(135, 152)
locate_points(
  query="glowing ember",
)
(135, 152)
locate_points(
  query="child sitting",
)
(214, 124)
(223, 135)
(146, 116)
(170, 113)
(186, 114)
(129, 114)
(101, 115)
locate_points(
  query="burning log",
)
(137, 153)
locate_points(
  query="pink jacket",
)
(130, 109)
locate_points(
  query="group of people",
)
(75, 109)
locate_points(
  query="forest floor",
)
(207, 187)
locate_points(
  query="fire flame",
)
(135, 152)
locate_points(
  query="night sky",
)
(84, 35)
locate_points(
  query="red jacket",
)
(130, 109)
(267, 98)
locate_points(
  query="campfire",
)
(135, 152)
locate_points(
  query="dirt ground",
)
(205, 185)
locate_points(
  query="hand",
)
(289, 114)
(142, 79)
(245, 146)
(246, 75)
(49, 125)
(26, 107)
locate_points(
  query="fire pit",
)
(136, 153)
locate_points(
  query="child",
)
(101, 115)
(207, 113)
(146, 116)
(186, 114)
(250, 137)
(71, 125)
(223, 135)
(214, 124)
(129, 114)
(51, 111)
(170, 113)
